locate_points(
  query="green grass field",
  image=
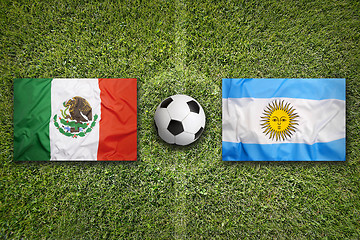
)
(186, 47)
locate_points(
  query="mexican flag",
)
(75, 119)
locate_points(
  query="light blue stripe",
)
(330, 151)
(305, 88)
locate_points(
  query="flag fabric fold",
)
(283, 119)
(75, 119)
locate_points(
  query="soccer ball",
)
(179, 120)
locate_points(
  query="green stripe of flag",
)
(32, 113)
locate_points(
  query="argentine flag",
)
(283, 119)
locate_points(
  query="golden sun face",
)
(279, 120)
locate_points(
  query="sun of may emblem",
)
(75, 119)
(279, 120)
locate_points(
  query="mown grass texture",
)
(183, 47)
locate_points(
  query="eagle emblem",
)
(76, 118)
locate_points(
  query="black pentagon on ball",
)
(166, 102)
(175, 127)
(194, 107)
(197, 135)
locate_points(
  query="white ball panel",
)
(193, 122)
(184, 138)
(181, 98)
(178, 110)
(166, 135)
(203, 117)
(162, 118)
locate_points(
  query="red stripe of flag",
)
(118, 124)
